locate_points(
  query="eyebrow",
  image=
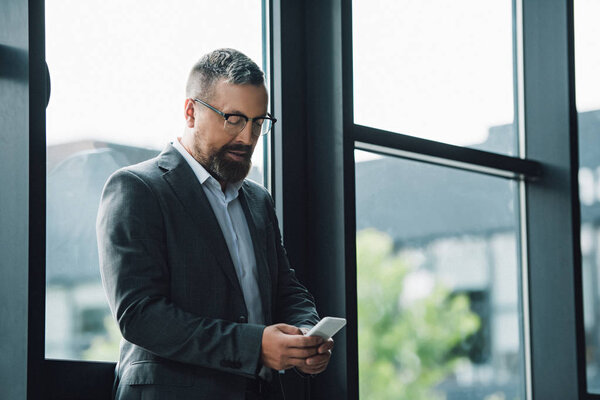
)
(234, 111)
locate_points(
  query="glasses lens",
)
(266, 126)
(234, 124)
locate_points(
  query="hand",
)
(284, 346)
(317, 363)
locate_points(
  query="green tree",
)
(105, 347)
(406, 346)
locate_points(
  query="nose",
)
(246, 136)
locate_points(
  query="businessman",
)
(191, 255)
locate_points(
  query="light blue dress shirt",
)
(232, 220)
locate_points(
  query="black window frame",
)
(313, 183)
(58, 378)
(313, 60)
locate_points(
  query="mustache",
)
(238, 147)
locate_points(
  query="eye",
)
(236, 120)
(258, 122)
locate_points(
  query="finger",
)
(304, 341)
(313, 369)
(325, 347)
(289, 329)
(295, 362)
(304, 330)
(301, 352)
(318, 370)
(317, 363)
(318, 359)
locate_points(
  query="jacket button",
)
(242, 319)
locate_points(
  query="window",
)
(437, 70)
(587, 63)
(118, 86)
(514, 121)
(439, 294)
(439, 299)
(314, 41)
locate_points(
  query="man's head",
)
(224, 81)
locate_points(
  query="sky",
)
(434, 69)
(443, 70)
(587, 54)
(119, 67)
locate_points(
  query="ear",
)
(189, 114)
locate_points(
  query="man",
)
(191, 255)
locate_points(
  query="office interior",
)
(435, 169)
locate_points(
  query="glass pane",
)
(439, 306)
(587, 65)
(118, 87)
(439, 70)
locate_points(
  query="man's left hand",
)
(317, 363)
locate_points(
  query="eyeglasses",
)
(235, 123)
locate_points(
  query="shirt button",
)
(242, 319)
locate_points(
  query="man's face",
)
(225, 156)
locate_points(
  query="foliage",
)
(405, 344)
(106, 347)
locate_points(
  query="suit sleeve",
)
(136, 278)
(294, 304)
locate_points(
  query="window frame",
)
(544, 32)
(46, 378)
(18, 78)
(546, 170)
(317, 207)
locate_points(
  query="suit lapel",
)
(256, 224)
(188, 190)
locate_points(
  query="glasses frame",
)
(226, 116)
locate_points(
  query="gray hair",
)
(229, 64)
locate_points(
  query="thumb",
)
(289, 329)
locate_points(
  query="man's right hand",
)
(284, 346)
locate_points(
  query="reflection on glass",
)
(436, 69)
(587, 65)
(117, 99)
(439, 313)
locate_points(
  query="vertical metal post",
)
(550, 128)
(14, 195)
(308, 157)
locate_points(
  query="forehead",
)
(248, 99)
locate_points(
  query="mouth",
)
(237, 155)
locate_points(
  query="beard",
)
(226, 170)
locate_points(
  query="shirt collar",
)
(204, 177)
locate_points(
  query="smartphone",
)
(327, 327)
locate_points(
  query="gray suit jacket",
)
(173, 289)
